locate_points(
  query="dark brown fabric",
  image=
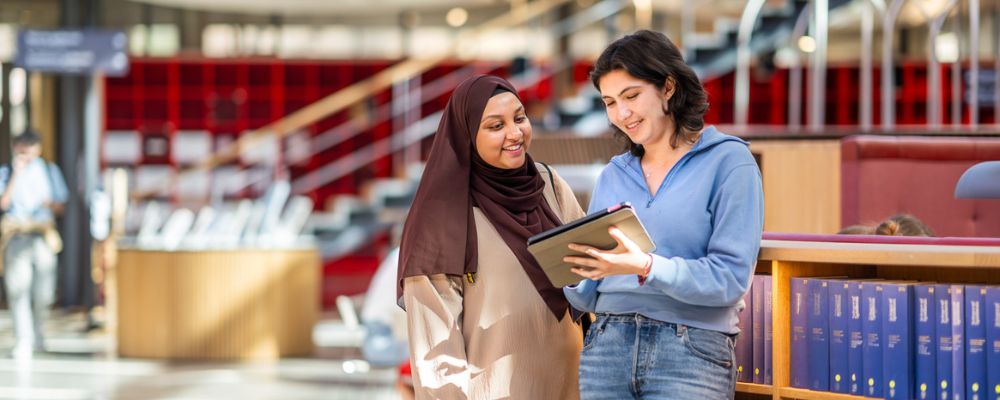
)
(440, 234)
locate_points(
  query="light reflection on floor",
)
(78, 366)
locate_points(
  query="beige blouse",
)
(494, 338)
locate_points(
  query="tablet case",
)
(551, 246)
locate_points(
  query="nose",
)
(623, 111)
(514, 133)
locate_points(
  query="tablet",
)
(551, 246)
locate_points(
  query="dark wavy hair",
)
(652, 57)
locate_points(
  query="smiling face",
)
(636, 107)
(504, 132)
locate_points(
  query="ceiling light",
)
(457, 17)
(807, 44)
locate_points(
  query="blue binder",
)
(799, 346)
(818, 325)
(757, 349)
(744, 341)
(945, 346)
(958, 342)
(992, 309)
(839, 311)
(925, 356)
(768, 372)
(975, 342)
(871, 326)
(897, 339)
(856, 339)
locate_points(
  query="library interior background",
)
(233, 177)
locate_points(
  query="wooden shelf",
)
(753, 388)
(881, 254)
(805, 394)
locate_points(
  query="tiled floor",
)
(79, 367)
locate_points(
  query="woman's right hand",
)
(625, 259)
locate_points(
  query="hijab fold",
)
(439, 236)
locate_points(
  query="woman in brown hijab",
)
(484, 321)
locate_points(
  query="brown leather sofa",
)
(886, 175)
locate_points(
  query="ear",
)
(669, 87)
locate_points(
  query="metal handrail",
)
(359, 91)
(324, 175)
(397, 141)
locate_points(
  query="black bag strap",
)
(552, 181)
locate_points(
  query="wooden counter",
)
(238, 304)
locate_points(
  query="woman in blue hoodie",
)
(667, 321)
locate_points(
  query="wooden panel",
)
(801, 184)
(248, 304)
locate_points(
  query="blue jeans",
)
(629, 356)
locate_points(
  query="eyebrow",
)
(621, 92)
(519, 109)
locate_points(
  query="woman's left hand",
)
(625, 259)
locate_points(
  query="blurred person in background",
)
(903, 225)
(385, 323)
(34, 193)
(667, 321)
(896, 225)
(484, 320)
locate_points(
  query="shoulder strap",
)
(555, 191)
(552, 180)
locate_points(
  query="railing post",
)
(795, 71)
(974, 62)
(934, 68)
(743, 58)
(996, 67)
(956, 79)
(817, 80)
(888, 85)
(865, 102)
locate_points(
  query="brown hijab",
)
(439, 236)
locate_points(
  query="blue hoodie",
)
(706, 221)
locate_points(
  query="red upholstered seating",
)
(886, 175)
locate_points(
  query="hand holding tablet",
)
(593, 245)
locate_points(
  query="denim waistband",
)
(632, 317)
(636, 318)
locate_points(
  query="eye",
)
(632, 96)
(609, 104)
(496, 127)
(520, 118)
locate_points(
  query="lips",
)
(515, 147)
(632, 125)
